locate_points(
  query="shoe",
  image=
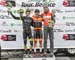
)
(30, 49)
(34, 54)
(25, 49)
(41, 54)
(44, 54)
(30, 55)
(51, 54)
(26, 56)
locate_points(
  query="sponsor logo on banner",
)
(5, 31)
(58, 11)
(70, 24)
(69, 3)
(69, 36)
(58, 30)
(41, 0)
(65, 11)
(8, 37)
(68, 17)
(48, 1)
(15, 24)
(3, 11)
(10, 30)
(12, 2)
(3, 3)
(5, 17)
(17, 31)
(70, 11)
(4, 24)
(66, 3)
(37, 4)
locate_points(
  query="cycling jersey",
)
(37, 22)
(47, 17)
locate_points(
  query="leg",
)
(51, 38)
(45, 38)
(35, 39)
(30, 39)
(40, 38)
(25, 39)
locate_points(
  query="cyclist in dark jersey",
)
(27, 23)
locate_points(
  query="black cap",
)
(37, 10)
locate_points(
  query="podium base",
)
(42, 58)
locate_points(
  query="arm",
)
(42, 17)
(14, 16)
(53, 17)
(32, 22)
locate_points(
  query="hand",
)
(50, 23)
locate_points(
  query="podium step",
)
(38, 59)
(42, 58)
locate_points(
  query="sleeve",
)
(14, 16)
(42, 17)
(53, 17)
(32, 23)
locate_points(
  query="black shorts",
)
(37, 34)
(27, 33)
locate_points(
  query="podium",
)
(42, 58)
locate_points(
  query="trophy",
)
(20, 11)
